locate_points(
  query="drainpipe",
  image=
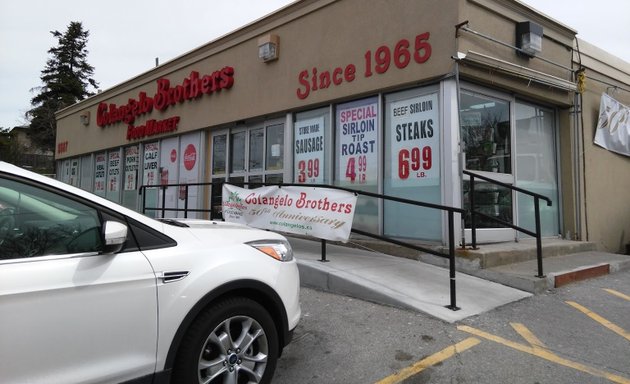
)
(462, 150)
(577, 161)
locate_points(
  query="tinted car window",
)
(38, 222)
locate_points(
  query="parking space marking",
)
(544, 353)
(617, 293)
(527, 335)
(615, 328)
(427, 362)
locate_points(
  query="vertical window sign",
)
(74, 172)
(169, 167)
(415, 142)
(357, 143)
(189, 170)
(131, 168)
(100, 165)
(309, 151)
(113, 172)
(151, 157)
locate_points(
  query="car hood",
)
(207, 230)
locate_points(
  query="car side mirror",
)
(115, 236)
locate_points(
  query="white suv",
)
(92, 292)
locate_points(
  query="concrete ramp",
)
(397, 281)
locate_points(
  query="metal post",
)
(473, 226)
(163, 200)
(538, 237)
(323, 259)
(143, 191)
(451, 261)
(186, 202)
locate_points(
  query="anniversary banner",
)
(318, 212)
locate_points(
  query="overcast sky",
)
(127, 36)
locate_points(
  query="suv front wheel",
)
(234, 341)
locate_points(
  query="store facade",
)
(395, 98)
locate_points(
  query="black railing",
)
(449, 210)
(474, 213)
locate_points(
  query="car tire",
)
(233, 341)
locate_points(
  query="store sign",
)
(319, 212)
(376, 62)
(415, 138)
(309, 151)
(613, 126)
(358, 144)
(193, 87)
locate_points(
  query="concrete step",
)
(486, 255)
(514, 264)
(493, 255)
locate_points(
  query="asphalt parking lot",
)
(575, 334)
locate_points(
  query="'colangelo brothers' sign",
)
(193, 87)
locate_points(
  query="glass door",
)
(485, 129)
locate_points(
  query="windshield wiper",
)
(174, 222)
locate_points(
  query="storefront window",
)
(151, 176)
(219, 146)
(237, 151)
(357, 149)
(87, 173)
(536, 167)
(100, 173)
(130, 177)
(412, 163)
(256, 147)
(275, 147)
(485, 130)
(310, 149)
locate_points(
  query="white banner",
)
(319, 212)
(613, 126)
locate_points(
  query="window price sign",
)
(357, 143)
(100, 174)
(131, 168)
(113, 172)
(309, 151)
(415, 142)
(150, 169)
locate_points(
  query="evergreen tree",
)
(66, 80)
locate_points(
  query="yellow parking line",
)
(430, 361)
(545, 354)
(618, 330)
(527, 335)
(618, 294)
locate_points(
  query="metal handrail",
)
(537, 197)
(450, 211)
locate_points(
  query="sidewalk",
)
(397, 281)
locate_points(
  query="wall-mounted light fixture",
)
(529, 38)
(269, 48)
(85, 118)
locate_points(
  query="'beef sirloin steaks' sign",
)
(319, 212)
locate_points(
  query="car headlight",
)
(278, 249)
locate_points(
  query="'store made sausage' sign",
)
(318, 212)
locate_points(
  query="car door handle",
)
(171, 277)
